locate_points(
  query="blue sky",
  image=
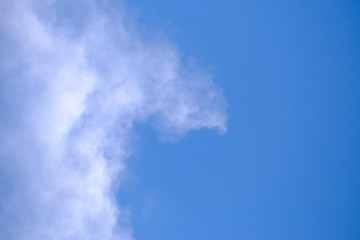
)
(288, 167)
(112, 124)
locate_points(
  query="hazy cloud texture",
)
(75, 77)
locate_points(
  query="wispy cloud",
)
(72, 87)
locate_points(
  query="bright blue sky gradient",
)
(289, 166)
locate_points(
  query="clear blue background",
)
(289, 166)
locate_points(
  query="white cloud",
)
(71, 89)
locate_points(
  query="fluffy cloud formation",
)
(74, 80)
